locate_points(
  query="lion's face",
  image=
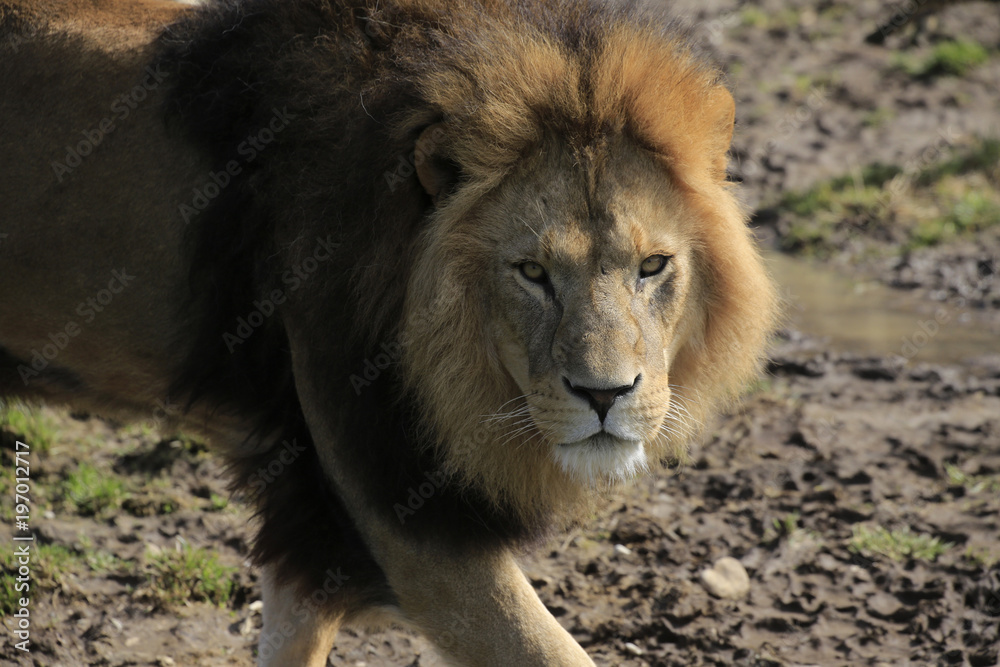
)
(586, 290)
(589, 279)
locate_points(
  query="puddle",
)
(866, 317)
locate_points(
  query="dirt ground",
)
(861, 493)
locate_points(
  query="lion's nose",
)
(601, 400)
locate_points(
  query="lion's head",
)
(587, 290)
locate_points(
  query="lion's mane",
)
(360, 80)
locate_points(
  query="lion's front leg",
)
(293, 634)
(479, 610)
(468, 597)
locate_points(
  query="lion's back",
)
(90, 179)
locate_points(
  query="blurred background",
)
(867, 142)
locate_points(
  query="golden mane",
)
(513, 91)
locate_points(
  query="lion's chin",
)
(602, 458)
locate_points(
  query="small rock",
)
(883, 605)
(131, 641)
(49, 514)
(622, 550)
(165, 661)
(246, 627)
(633, 649)
(256, 605)
(727, 579)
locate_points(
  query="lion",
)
(430, 275)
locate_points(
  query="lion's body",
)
(53, 93)
(481, 252)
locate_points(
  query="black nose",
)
(601, 400)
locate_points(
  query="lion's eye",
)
(534, 272)
(652, 265)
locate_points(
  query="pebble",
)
(256, 605)
(883, 604)
(633, 649)
(246, 627)
(622, 550)
(727, 579)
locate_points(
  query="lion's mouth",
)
(602, 440)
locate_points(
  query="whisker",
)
(516, 433)
(500, 414)
(525, 223)
(508, 415)
(516, 398)
(671, 433)
(679, 410)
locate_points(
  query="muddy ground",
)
(861, 493)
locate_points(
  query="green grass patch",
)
(972, 483)
(953, 198)
(103, 562)
(92, 492)
(753, 17)
(896, 544)
(787, 528)
(188, 574)
(217, 503)
(787, 524)
(820, 213)
(33, 428)
(9, 595)
(965, 213)
(983, 157)
(878, 117)
(49, 563)
(952, 58)
(981, 557)
(55, 561)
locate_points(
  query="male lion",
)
(482, 251)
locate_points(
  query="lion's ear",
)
(436, 173)
(722, 110)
